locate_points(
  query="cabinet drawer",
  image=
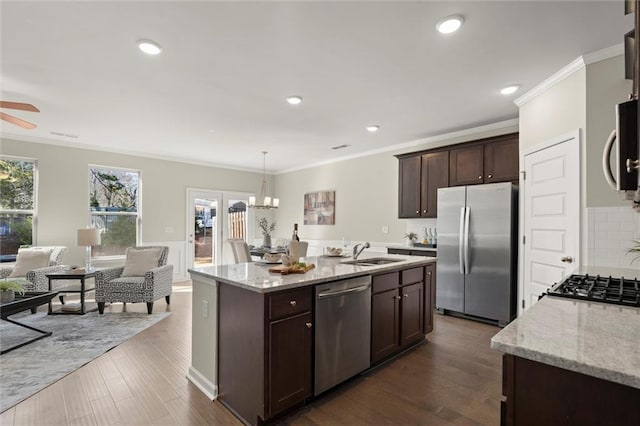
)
(414, 275)
(289, 303)
(385, 282)
(398, 251)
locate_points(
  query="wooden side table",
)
(82, 288)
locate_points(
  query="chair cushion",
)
(30, 259)
(124, 284)
(140, 261)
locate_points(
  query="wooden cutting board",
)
(285, 270)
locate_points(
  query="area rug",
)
(76, 340)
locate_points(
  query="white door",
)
(551, 216)
(212, 218)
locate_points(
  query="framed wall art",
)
(320, 208)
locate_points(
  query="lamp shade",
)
(88, 237)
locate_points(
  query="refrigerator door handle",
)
(461, 240)
(466, 239)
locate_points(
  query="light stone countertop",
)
(256, 277)
(597, 339)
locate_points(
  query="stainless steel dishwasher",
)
(343, 331)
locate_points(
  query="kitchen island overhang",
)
(253, 284)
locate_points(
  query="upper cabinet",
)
(496, 160)
(419, 179)
(488, 160)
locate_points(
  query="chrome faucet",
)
(357, 252)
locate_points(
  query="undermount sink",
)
(372, 261)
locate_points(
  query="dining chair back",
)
(241, 253)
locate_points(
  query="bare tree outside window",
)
(17, 205)
(113, 201)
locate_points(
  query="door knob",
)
(308, 324)
(489, 175)
(293, 303)
(567, 259)
(480, 177)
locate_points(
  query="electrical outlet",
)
(385, 229)
(205, 309)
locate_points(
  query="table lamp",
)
(88, 237)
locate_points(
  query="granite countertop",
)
(412, 248)
(256, 277)
(592, 338)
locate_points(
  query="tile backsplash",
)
(610, 234)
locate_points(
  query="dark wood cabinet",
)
(489, 160)
(541, 394)
(435, 174)
(420, 178)
(501, 161)
(409, 252)
(265, 351)
(466, 165)
(493, 160)
(385, 324)
(289, 362)
(429, 296)
(409, 187)
(412, 310)
(398, 314)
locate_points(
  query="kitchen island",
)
(254, 331)
(570, 361)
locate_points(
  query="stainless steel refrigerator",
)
(477, 251)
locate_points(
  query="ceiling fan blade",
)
(18, 105)
(17, 121)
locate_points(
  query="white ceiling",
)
(217, 93)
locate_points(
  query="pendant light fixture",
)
(266, 201)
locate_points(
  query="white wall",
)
(63, 194)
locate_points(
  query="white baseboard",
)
(202, 383)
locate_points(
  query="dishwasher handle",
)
(343, 292)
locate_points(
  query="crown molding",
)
(78, 145)
(429, 140)
(569, 70)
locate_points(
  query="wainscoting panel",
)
(176, 257)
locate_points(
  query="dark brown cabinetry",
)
(487, 160)
(496, 160)
(397, 312)
(265, 358)
(409, 252)
(540, 394)
(420, 178)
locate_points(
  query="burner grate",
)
(620, 291)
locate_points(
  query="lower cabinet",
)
(265, 351)
(540, 394)
(399, 308)
(429, 296)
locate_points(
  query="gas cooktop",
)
(620, 291)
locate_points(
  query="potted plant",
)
(266, 228)
(412, 237)
(8, 290)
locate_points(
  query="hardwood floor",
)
(454, 379)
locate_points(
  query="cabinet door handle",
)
(417, 211)
(489, 175)
(308, 324)
(480, 177)
(429, 273)
(397, 297)
(406, 295)
(293, 303)
(424, 211)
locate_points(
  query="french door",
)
(212, 218)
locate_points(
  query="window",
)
(114, 205)
(17, 205)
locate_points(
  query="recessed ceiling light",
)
(450, 24)
(294, 100)
(149, 47)
(373, 128)
(509, 90)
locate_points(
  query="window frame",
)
(34, 211)
(137, 213)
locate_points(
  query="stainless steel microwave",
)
(625, 176)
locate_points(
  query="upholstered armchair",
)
(145, 277)
(33, 274)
